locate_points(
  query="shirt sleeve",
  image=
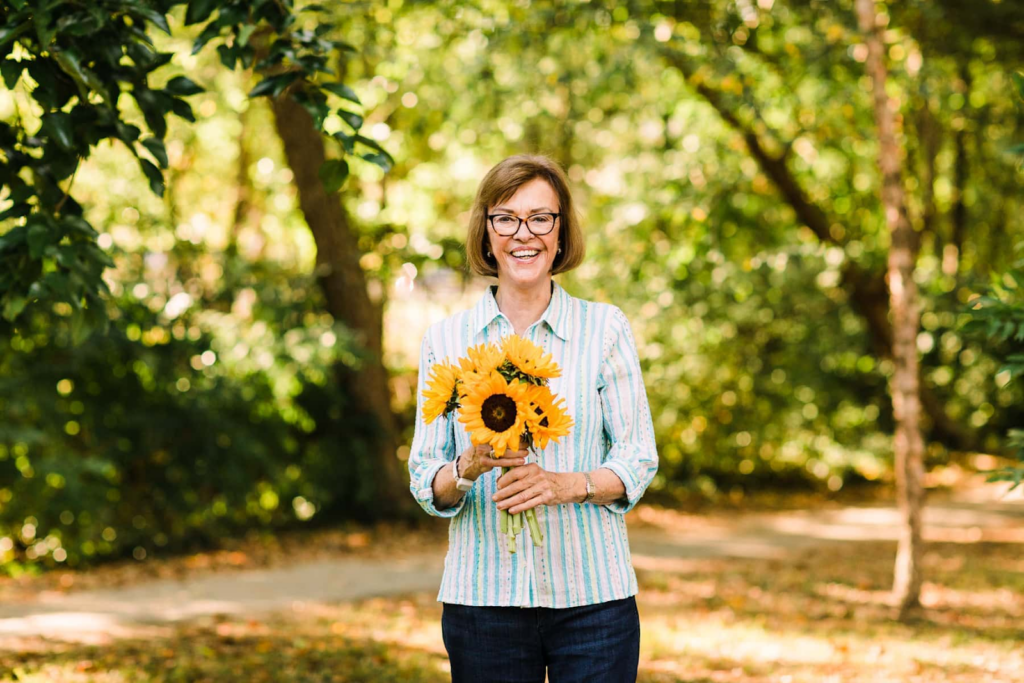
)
(628, 426)
(433, 445)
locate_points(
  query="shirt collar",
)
(556, 315)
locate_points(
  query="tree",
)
(76, 61)
(908, 445)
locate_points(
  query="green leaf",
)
(70, 63)
(333, 173)
(182, 109)
(11, 71)
(182, 86)
(154, 108)
(384, 161)
(57, 125)
(127, 133)
(16, 211)
(14, 237)
(9, 33)
(157, 149)
(13, 307)
(209, 33)
(341, 90)
(245, 33)
(351, 118)
(1018, 80)
(156, 178)
(199, 10)
(79, 225)
(152, 16)
(38, 239)
(373, 144)
(346, 141)
(228, 56)
(273, 85)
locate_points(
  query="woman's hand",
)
(476, 460)
(531, 485)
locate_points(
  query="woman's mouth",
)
(525, 255)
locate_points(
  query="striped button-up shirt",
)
(584, 558)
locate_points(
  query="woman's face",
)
(535, 196)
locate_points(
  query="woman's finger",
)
(503, 462)
(533, 498)
(517, 473)
(509, 489)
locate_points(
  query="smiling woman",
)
(566, 608)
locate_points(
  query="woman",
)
(566, 607)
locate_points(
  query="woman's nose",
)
(523, 233)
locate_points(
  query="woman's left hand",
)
(531, 485)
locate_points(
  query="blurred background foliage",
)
(724, 158)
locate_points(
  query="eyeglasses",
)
(506, 225)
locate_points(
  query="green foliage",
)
(998, 317)
(78, 66)
(158, 436)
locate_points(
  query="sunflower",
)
(441, 393)
(547, 419)
(529, 358)
(494, 412)
(483, 359)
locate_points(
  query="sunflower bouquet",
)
(503, 399)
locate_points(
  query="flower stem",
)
(503, 513)
(535, 534)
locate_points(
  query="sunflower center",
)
(498, 412)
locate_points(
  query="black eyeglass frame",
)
(526, 220)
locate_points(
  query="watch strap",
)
(460, 483)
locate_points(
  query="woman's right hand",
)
(476, 460)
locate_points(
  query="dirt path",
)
(659, 539)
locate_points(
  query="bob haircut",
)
(500, 183)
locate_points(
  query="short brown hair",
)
(500, 183)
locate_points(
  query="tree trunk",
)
(344, 285)
(908, 444)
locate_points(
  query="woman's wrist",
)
(578, 487)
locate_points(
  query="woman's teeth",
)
(525, 255)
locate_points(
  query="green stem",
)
(503, 513)
(535, 534)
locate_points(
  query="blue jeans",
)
(593, 643)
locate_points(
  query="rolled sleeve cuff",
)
(634, 486)
(423, 491)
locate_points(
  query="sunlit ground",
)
(819, 614)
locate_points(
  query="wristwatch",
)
(460, 483)
(590, 488)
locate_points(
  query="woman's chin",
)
(534, 274)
